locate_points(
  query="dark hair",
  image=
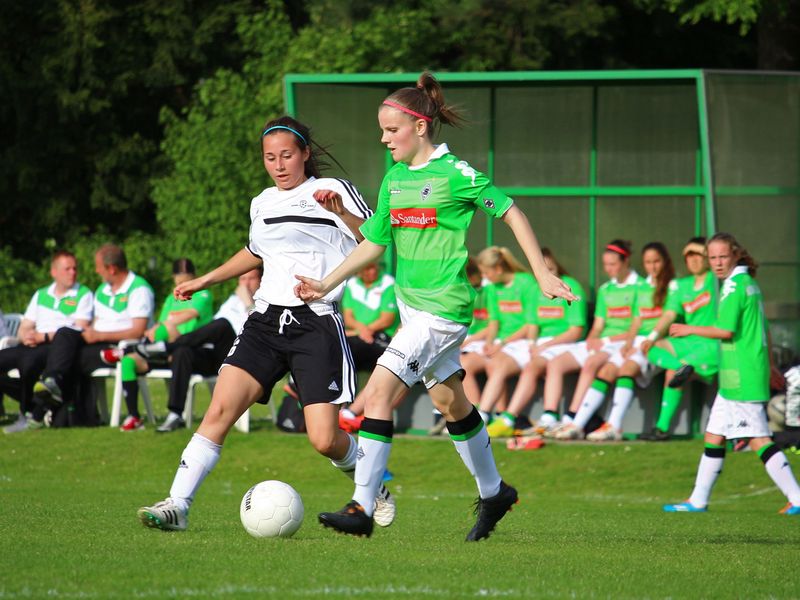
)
(742, 255)
(427, 99)
(183, 266)
(62, 254)
(622, 248)
(472, 267)
(547, 253)
(667, 273)
(113, 255)
(318, 155)
(700, 239)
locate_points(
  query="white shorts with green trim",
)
(426, 348)
(735, 419)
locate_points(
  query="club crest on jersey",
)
(426, 191)
(414, 218)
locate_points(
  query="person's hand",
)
(308, 289)
(493, 348)
(185, 290)
(776, 379)
(627, 350)
(552, 287)
(29, 339)
(365, 333)
(90, 336)
(679, 330)
(646, 345)
(150, 334)
(330, 201)
(594, 344)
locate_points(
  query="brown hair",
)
(494, 256)
(547, 253)
(318, 155)
(427, 99)
(622, 248)
(667, 273)
(742, 255)
(62, 254)
(183, 266)
(472, 267)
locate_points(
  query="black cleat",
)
(681, 376)
(491, 510)
(49, 393)
(350, 520)
(655, 436)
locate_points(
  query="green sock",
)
(670, 401)
(128, 369)
(161, 334)
(662, 358)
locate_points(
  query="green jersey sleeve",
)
(576, 311)
(378, 228)
(478, 189)
(730, 305)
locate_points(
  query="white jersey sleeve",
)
(141, 303)
(85, 309)
(31, 310)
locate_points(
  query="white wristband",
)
(605, 340)
(652, 336)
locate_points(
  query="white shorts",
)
(554, 351)
(581, 353)
(519, 350)
(647, 370)
(734, 420)
(426, 348)
(477, 347)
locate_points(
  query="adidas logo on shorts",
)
(333, 387)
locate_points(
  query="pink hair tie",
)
(618, 250)
(407, 110)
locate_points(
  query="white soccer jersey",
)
(294, 235)
(50, 313)
(234, 312)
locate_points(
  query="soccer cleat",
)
(569, 431)
(111, 356)
(154, 350)
(164, 515)
(172, 423)
(790, 510)
(351, 520)
(684, 507)
(605, 433)
(529, 442)
(48, 391)
(550, 430)
(131, 423)
(438, 427)
(23, 423)
(499, 428)
(385, 508)
(681, 376)
(655, 436)
(350, 425)
(491, 510)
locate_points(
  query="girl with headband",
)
(745, 371)
(612, 319)
(303, 221)
(425, 205)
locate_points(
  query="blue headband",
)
(294, 131)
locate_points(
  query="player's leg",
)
(473, 363)
(590, 392)
(498, 369)
(554, 388)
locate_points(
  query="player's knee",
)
(323, 442)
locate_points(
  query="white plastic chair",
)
(11, 322)
(116, 402)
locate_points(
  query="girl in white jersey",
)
(301, 221)
(425, 206)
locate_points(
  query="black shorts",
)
(295, 339)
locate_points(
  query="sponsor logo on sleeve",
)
(414, 218)
(698, 303)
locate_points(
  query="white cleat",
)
(568, 432)
(164, 515)
(605, 433)
(385, 509)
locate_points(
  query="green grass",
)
(589, 524)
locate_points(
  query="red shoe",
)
(350, 425)
(132, 423)
(111, 356)
(533, 442)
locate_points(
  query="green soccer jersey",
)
(694, 306)
(554, 315)
(513, 304)
(744, 360)
(645, 307)
(480, 312)
(615, 304)
(201, 301)
(426, 211)
(367, 303)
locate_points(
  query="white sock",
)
(370, 466)
(781, 472)
(348, 463)
(547, 419)
(707, 473)
(198, 459)
(485, 416)
(475, 451)
(622, 400)
(592, 400)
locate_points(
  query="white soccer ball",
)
(271, 509)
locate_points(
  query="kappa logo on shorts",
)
(414, 366)
(333, 387)
(742, 423)
(391, 350)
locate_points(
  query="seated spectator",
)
(123, 307)
(510, 300)
(200, 351)
(692, 299)
(371, 319)
(612, 320)
(63, 303)
(557, 325)
(628, 364)
(177, 317)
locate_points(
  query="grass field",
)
(589, 524)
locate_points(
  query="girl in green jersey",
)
(425, 206)
(744, 377)
(509, 302)
(628, 365)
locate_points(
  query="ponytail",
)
(426, 101)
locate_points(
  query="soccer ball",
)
(271, 509)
